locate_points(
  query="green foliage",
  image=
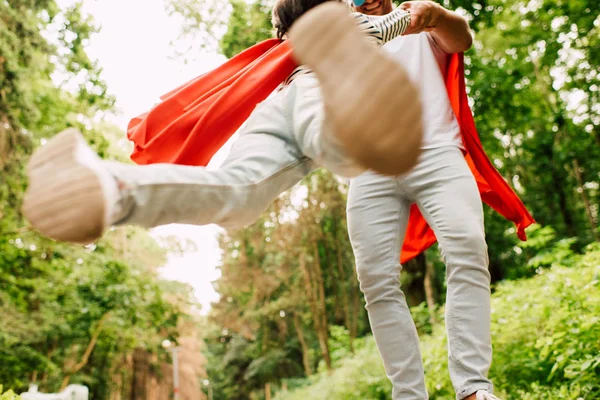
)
(54, 298)
(8, 395)
(533, 86)
(339, 343)
(546, 334)
(358, 377)
(249, 24)
(422, 317)
(202, 25)
(290, 303)
(227, 26)
(272, 366)
(68, 312)
(546, 140)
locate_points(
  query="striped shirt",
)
(379, 31)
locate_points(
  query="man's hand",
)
(424, 15)
(449, 30)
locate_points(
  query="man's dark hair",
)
(286, 12)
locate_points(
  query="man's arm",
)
(449, 30)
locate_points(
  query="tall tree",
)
(70, 313)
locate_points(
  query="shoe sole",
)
(370, 103)
(65, 198)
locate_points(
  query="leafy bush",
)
(9, 395)
(358, 377)
(546, 335)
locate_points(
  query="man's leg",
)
(75, 196)
(258, 169)
(377, 218)
(447, 195)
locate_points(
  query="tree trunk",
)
(141, 368)
(596, 134)
(267, 391)
(562, 203)
(65, 383)
(305, 354)
(127, 377)
(586, 202)
(430, 293)
(413, 276)
(86, 355)
(117, 387)
(559, 188)
(552, 98)
(310, 280)
(312, 298)
(343, 285)
(324, 329)
(49, 354)
(355, 293)
(4, 144)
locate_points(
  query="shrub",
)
(546, 335)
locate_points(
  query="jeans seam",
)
(393, 248)
(289, 117)
(451, 313)
(280, 171)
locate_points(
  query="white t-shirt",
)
(424, 61)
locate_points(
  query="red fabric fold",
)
(193, 121)
(493, 188)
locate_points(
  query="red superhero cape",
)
(193, 121)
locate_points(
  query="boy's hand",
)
(424, 16)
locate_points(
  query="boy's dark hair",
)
(286, 12)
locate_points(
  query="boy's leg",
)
(447, 195)
(377, 219)
(75, 196)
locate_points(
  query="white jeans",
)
(378, 209)
(283, 140)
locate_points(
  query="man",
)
(315, 119)
(446, 193)
(75, 196)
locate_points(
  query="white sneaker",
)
(370, 102)
(71, 195)
(485, 395)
